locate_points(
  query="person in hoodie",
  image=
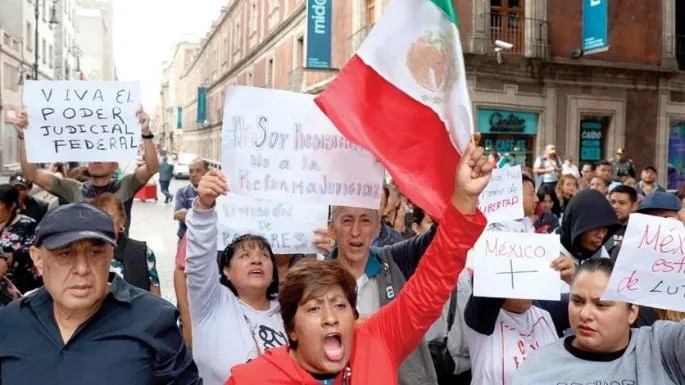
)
(589, 221)
(318, 304)
(234, 318)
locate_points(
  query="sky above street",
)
(145, 32)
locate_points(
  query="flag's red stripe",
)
(406, 136)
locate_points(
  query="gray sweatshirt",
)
(226, 331)
(655, 355)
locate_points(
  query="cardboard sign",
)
(502, 199)
(278, 145)
(288, 227)
(516, 265)
(650, 267)
(81, 121)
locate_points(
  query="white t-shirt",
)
(368, 301)
(494, 358)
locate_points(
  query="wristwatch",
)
(148, 136)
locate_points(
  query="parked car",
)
(182, 165)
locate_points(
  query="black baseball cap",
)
(74, 222)
(18, 179)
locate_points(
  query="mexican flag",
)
(403, 96)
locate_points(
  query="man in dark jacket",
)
(622, 166)
(30, 206)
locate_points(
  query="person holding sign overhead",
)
(101, 173)
(604, 349)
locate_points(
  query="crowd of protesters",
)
(391, 301)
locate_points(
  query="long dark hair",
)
(10, 196)
(249, 240)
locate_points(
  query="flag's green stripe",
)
(447, 8)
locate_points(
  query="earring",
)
(123, 229)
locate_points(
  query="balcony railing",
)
(356, 39)
(680, 51)
(529, 36)
(295, 79)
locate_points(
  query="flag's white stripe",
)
(385, 50)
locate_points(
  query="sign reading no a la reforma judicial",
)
(319, 34)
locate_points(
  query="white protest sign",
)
(502, 199)
(516, 265)
(278, 145)
(81, 121)
(288, 227)
(650, 266)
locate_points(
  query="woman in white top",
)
(234, 318)
(502, 333)
(604, 349)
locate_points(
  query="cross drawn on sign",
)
(512, 272)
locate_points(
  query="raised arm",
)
(30, 171)
(402, 324)
(151, 166)
(202, 271)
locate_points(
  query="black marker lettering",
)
(75, 144)
(47, 130)
(47, 96)
(116, 129)
(116, 114)
(47, 111)
(69, 113)
(98, 96)
(58, 143)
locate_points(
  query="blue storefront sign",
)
(179, 118)
(592, 140)
(201, 105)
(319, 24)
(509, 133)
(595, 20)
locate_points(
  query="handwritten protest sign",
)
(81, 121)
(651, 264)
(278, 145)
(502, 199)
(516, 265)
(288, 227)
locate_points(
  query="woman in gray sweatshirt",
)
(604, 349)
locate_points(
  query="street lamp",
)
(53, 21)
(76, 52)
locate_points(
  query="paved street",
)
(153, 222)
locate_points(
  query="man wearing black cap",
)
(79, 329)
(30, 206)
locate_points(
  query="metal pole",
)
(36, 10)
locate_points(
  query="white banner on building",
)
(81, 121)
(278, 145)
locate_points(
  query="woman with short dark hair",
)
(603, 348)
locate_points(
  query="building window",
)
(250, 79)
(370, 12)
(44, 51)
(253, 18)
(29, 36)
(236, 37)
(593, 133)
(299, 52)
(11, 77)
(273, 13)
(270, 73)
(45, 10)
(506, 22)
(50, 56)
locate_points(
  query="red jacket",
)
(387, 338)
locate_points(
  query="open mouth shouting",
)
(256, 272)
(333, 346)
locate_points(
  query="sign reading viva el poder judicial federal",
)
(81, 121)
